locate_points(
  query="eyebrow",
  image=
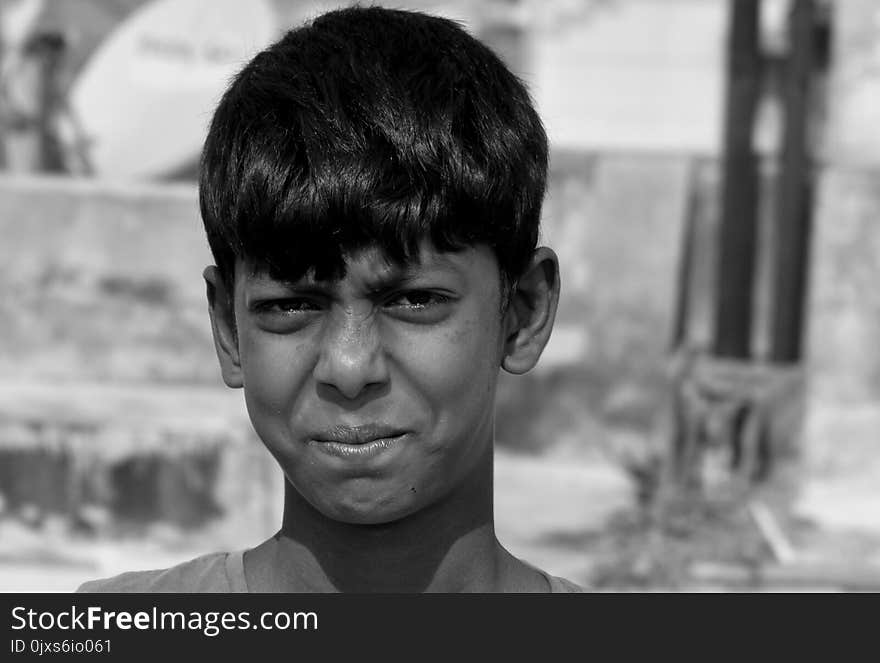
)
(382, 283)
(394, 277)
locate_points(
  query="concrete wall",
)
(102, 283)
(109, 386)
(616, 223)
(630, 74)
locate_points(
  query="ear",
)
(531, 312)
(221, 309)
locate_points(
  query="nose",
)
(351, 358)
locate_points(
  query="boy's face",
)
(375, 392)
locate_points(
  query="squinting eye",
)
(287, 306)
(418, 299)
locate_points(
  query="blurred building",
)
(99, 273)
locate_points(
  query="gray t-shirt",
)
(219, 573)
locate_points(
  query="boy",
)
(371, 189)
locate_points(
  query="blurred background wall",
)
(113, 420)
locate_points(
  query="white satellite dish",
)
(144, 100)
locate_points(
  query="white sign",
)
(144, 101)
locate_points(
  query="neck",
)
(449, 546)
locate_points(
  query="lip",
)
(357, 435)
(358, 442)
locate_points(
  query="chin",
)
(366, 513)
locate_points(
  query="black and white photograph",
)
(487, 296)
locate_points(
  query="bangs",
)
(292, 222)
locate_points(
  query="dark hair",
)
(371, 125)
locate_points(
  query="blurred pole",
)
(47, 50)
(795, 188)
(737, 237)
(3, 56)
(33, 98)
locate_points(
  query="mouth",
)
(358, 442)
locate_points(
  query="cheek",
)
(456, 368)
(274, 371)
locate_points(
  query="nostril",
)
(351, 373)
(350, 359)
